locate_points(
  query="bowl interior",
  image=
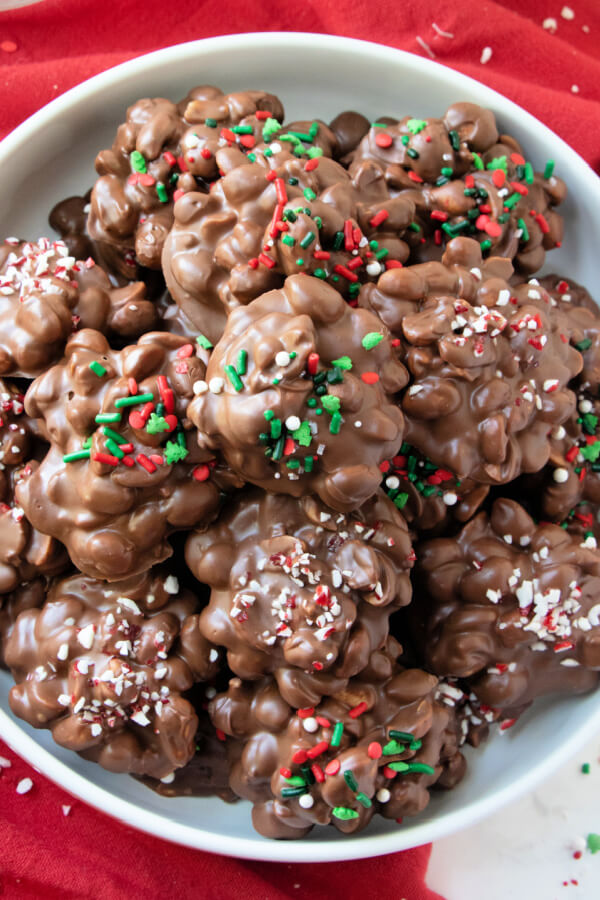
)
(51, 156)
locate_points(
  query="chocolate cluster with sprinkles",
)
(298, 394)
(124, 469)
(301, 591)
(378, 746)
(300, 457)
(105, 668)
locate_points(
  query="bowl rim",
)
(258, 848)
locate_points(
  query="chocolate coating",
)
(27, 596)
(349, 128)
(177, 143)
(300, 591)
(511, 606)
(489, 367)
(69, 219)
(105, 669)
(274, 217)
(350, 782)
(268, 427)
(114, 517)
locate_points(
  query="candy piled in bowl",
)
(269, 403)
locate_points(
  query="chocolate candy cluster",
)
(299, 460)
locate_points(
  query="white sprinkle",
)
(168, 779)
(560, 475)
(86, 636)
(63, 652)
(96, 729)
(567, 13)
(392, 482)
(292, 423)
(503, 297)
(24, 785)
(450, 498)
(171, 585)
(200, 387)
(569, 663)
(306, 801)
(282, 358)
(585, 406)
(425, 47)
(559, 433)
(593, 616)
(550, 24)
(70, 621)
(310, 724)
(374, 268)
(66, 809)
(5, 763)
(493, 596)
(575, 88)
(590, 543)
(140, 718)
(63, 699)
(486, 55)
(438, 30)
(216, 385)
(383, 795)
(358, 424)
(213, 655)
(415, 389)
(507, 538)
(550, 384)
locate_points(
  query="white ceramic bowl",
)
(51, 155)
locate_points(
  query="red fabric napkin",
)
(545, 60)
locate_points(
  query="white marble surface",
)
(525, 851)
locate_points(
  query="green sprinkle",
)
(269, 414)
(134, 401)
(296, 781)
(204, 342)
(499, 162)
(421, 768)
(301, 136)
(478, 162)
(275, 429)
(401, 735)
(454, 139)
(512, 201)
(113, 435)
(315, 152)
(335, 376)
(307, 240)
(401, 500)
(114, 448)
(381, 254)
(87, 443)
(593, 842)
(107, 418)
(336, 737)
(392, 748)
(351, 780)
(371, 339)
(414, 226)
(303, 435)
(412, 153)
(242, 362)
(211, 123)
(585, 768)
(313, 130)
(378, 125)
(454, 230)
(97, 368)
(336, 423)
(278, 448)
(175, 453)
(398, 766)
(311, 402)
(343, 362)
(268, 152)
(242, 129)
(330, 403)
(234, 378)
(344, 813)
(156, 424)
(590, 422)
(362, 798)
(308, 463)
(299, 261)
(138, 163)
(485, 245)
(591, 452)
(447, 171)
(288, 240)
(524, 230)
(549, 169)
(252, 157)
(309, 194)
(415, 125)
(405, 139)
(270, 128)
(293, 463)
(338, 240)
(583, 345)
(73, 457)
(415, 745)
(161, 192)
(293, 791)
(320, 273)
(528, 173)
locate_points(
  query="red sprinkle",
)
(169, 158)
(253, 263)
(389, 773)
(362, 706)
(348, 239)
(289, 446)
(393, 264)
(374, 750)
(126, 448)
(201, 473)
(322, 254)
(378, 218)
(312, 365)
(305, 713)
(318, 773)
(128, 461)
(185, 351)
(147, 464)
(383, 139)
(517, 159)
(105, 458)
(262, 114)
(414, 177)
(247, 140)
(299, 757)
(571, 454)
(439, 215)
(182, 164)
(287, 773)
(332, 767)
(347, 274)
(370, 377)
(507, 723)
(132, 386)
(544, 227)
(323, 722)
(499, 177)
(266, 260)
(318, 749)
(469, 181)
(177, 194)
(221, 736)
(311, 165)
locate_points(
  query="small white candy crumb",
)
(86, 636)
(415, 389)
(560, 475)
(306, 801)
(292, 423)
(392, 482)
(24, 785)
(171, 585)
(63, 652)
(383, 795)
(216, 385)
(66, 810)
(310, 724)
(373, 268)
(96, 729)
(486, 55)
(585, 406)
(574, 88)
(550, 24)
(5, 763)
(168, 779)
(200, 387)
(213, 655)
(567, 13)
(282, 358)
(559, 433)
(450, 498)
(507, 538)
(64, 699)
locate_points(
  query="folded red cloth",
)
(543, 59)
(53, 846)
